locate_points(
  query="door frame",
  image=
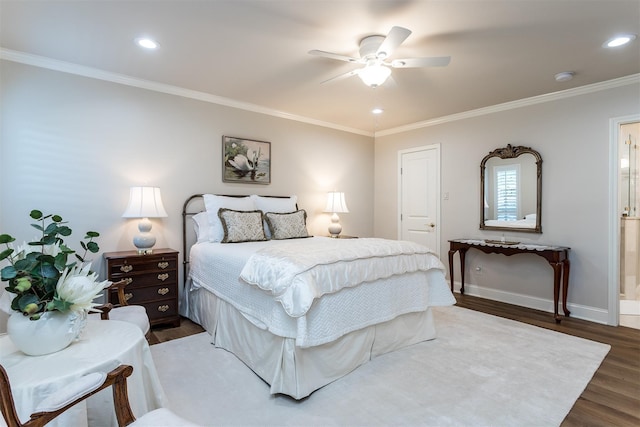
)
(614, 216)
(435, 147)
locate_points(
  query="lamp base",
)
(144, 240)
(335, 228)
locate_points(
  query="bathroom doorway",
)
(629, 211)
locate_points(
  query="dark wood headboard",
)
(192, 206)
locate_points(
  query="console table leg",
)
(565, 286)
(463, 252)
(557, 270)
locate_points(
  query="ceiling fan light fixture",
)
(374, 75)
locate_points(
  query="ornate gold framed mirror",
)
(511, 190)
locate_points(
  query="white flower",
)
(21, 251)
(52, 250)
(79, 287)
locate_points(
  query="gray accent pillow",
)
(241, 226)
(291, 225)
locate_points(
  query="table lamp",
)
(335, 205)
(145, 203)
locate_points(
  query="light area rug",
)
(481, 370)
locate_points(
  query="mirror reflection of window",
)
(507, 200)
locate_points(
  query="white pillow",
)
(213, 203)
(201, 227)
(274, 204)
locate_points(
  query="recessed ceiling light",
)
(147, 43)
(565, 76)
(620, 40)
(377, 111)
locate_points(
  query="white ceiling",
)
(255, 51)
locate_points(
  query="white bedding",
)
(217, 268)
(297, 272)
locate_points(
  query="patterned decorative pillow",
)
(241, 226)
(274, 204)
(292, 225)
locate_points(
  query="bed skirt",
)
(293, 370)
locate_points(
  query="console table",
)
(557, 256)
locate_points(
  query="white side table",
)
(103, 345)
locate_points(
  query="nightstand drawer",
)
(148, 279)
(149, 293)
(160, 309)
(138, 265)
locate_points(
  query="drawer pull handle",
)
(163, 308)
(163, 291)
(126, 268)
(128, 281)
(163, 276)
(128, 296)
(163, 265)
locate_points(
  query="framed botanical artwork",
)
(246, 160)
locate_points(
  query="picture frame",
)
(246, 161)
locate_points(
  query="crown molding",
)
(95, 73)
(554, 96)
(71, 68)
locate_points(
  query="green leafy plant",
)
(40, 274)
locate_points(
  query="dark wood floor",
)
(612, 398)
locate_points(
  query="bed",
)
(302, 311)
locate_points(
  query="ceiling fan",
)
(374, 53)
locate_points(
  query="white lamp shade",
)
(144, 202)
(336, 203)
(374, 75)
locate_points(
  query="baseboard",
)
(593, 314)
(630, 307)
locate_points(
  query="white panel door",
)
(419, 191)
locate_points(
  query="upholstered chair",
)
(135, 314)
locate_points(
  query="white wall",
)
(73, 146)
(572, 136)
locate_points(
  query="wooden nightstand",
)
(153, 282)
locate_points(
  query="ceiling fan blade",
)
(342, 76)
(434, 61)
(394, 39)
(333, 56)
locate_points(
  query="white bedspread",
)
(297, 273)
(217, 266)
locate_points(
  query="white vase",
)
(53, 332)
